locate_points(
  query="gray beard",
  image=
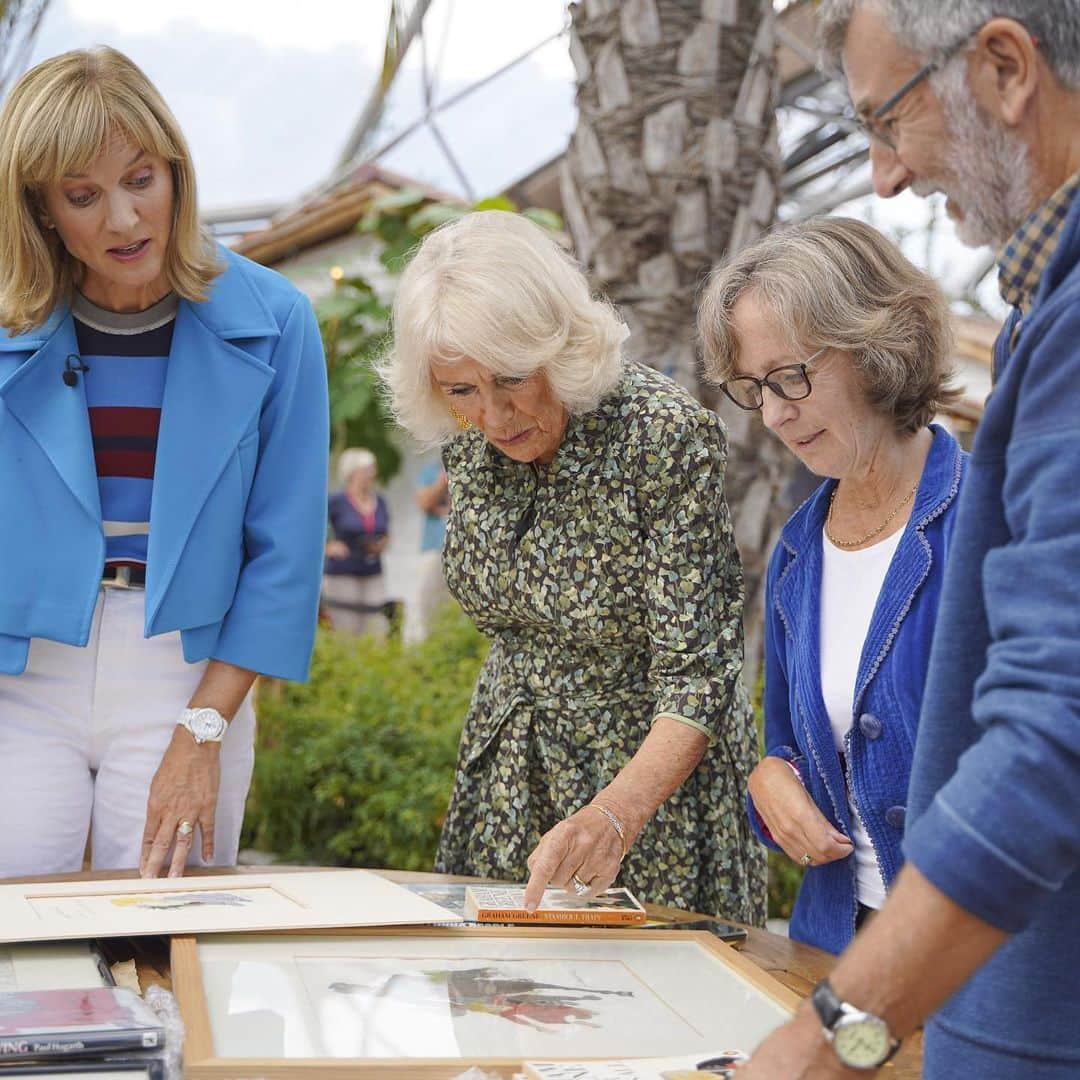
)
(988, 174)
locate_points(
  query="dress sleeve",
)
(693, 577)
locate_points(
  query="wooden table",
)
(797, 966)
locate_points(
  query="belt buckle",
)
(122, 579)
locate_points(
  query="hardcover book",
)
(37, 1024)
(506, 904)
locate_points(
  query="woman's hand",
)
(184, 788)
(586, 845)
(337, 549)
(796, 824)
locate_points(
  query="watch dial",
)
(207, 725)
(862, 1043)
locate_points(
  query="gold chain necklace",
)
(848, 544)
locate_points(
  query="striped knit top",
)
(127, 356)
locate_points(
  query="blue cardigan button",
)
(895, 816)
(870, 725)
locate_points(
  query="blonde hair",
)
(59, 117)
(355, 457)
(837, 283)
(496, 288)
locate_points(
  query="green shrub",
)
(356, 766)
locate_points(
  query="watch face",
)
(862, 1042)
(207, 724)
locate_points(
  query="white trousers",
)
(82, 732)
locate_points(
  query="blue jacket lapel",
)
(54, 414)
(799, 597)
(214, 389)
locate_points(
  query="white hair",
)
(356, 457)
(496, 288)
(926, 29)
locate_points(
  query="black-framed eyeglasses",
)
(873, 128)
(789, 381)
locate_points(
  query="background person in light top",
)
(165, 401)
(353, 588)
(851, 343)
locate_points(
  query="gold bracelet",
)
(615, 823)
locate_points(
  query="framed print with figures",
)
(427, 1003)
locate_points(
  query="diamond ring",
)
(185, 828)
(806, 860)
(579, 886)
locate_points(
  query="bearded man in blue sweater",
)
(980, 100)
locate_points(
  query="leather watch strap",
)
(826, 1004)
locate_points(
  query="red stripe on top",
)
(137, 463)
(124, 420)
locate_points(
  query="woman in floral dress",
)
(589, 538)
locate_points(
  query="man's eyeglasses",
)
(875, 126)
(790, 382)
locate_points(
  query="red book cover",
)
(46, 1023)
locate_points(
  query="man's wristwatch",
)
(205, 724)
(860, 1039)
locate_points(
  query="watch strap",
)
(827, 1004)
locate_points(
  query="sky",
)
(267, 92)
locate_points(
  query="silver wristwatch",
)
(860, 1039)
(205, 724)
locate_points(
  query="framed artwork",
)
(427, 1003)
(306, 900)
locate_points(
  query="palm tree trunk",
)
(673, 165)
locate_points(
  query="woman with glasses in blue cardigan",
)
(842, 345)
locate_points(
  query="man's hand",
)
(798, 1051)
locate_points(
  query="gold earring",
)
(462, 422)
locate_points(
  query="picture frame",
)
(427, 1003)
(220, 903)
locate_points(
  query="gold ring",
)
(185, 828)
(579, 886)
(806, 860)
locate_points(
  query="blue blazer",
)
(237, 519)
(889, 686)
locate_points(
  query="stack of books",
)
(103, 1031)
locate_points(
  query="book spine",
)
(520, 915)
(64, 1044)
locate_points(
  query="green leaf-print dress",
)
(611, 589)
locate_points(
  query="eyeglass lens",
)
(791, 383)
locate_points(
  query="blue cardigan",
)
(237, 523)
(995, 787)
(889, 686)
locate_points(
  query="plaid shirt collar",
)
(1029, 251)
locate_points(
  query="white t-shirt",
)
(850, 584)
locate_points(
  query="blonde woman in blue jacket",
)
(843, 346)
(163, 429)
